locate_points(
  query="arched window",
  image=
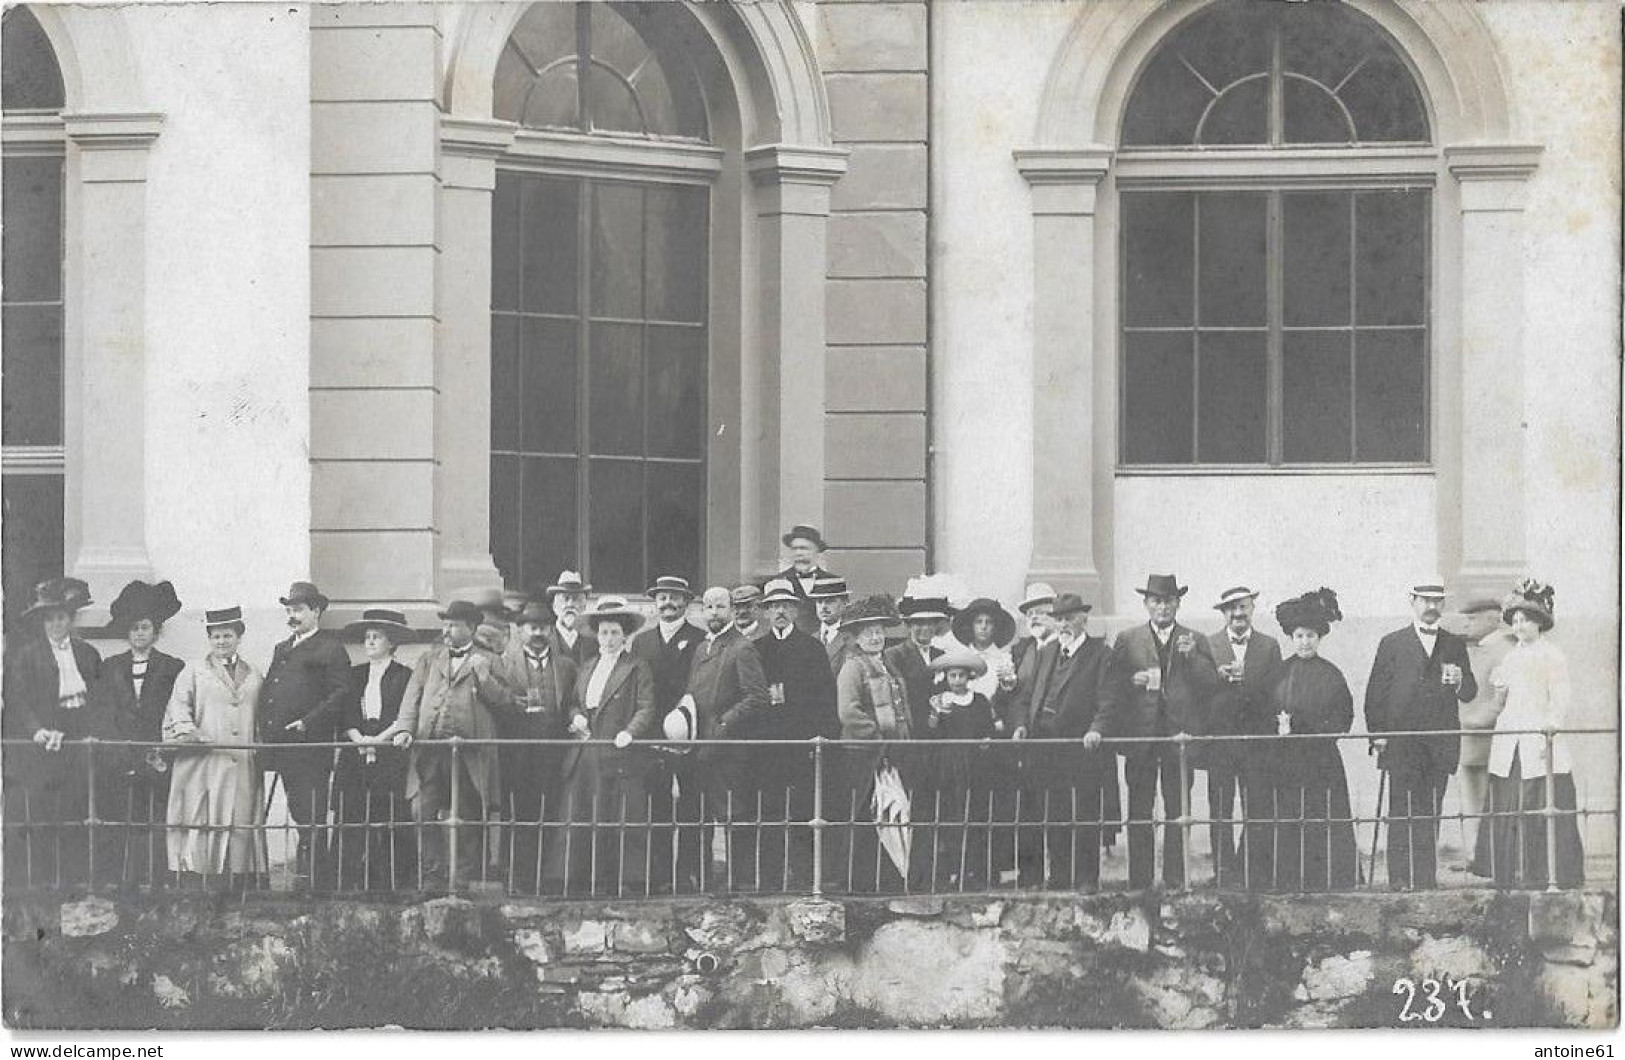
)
(600, 339)
(1275, 302)
(31, 370)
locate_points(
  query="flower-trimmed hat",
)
(1533, 598)
(960, 659)
(616, 608)
(870, 610)
(1004, 624)
(1315, 610)
(59, 594)
(140, 599)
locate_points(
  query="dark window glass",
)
(1339, 79)
(674, 288)
(617, 251)
(550, 513)
(1232, 411)
(507, 398)
(1315, 399)
(507, 528)
(675, 529)
(617, 389)
(505, 272)
(675, 389)
(1159, 254)
(548, 256)
(29, 76)
(32, 229)
(30, 536)
(1391, 395)
(32, 376)
(1317, 250)
(617, 524)
(1391, 239)
(31, 372)
(550, 386)
(1157, 398)
(1231, 249)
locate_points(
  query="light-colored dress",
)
(216, 801)
(1536, 676)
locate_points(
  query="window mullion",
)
(1354, 331)
(1196, 325)
(1277, 118)
(1275, 428)
(583, 68)
(584, 379)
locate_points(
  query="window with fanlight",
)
(31, 305)
(1275, 313)
(600, 299)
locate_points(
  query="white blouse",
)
(1536, 676)
(600, 678)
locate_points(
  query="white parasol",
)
(891, 808)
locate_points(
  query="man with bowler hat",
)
(1419, 680)
(1165, 675)
(805, 547)
(1248, 662)
(303, 697)
(747, 600)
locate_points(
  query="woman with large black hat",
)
(369, 786)
(136, 687)
(49, 685)
(1311, 840)
(1534, 686)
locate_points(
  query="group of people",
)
(551, 741)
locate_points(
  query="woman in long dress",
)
(871, 698)
(1311, 843)
(216, 802)
(1533, 681)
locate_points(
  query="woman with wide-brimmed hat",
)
(1310, 844)
(871, 698)
(136, 687)
(216, 799)
(369, 785)
(1533, 682)
(49, 685)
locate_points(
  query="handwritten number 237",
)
(1433, 1003)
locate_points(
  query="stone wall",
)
(1191, 961)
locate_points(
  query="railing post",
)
(1182, 741)
(818, 817)
(1551, 810)
(90, 812)
(454, 818)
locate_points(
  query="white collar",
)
(379, 665)
(709, 636)
(62, 648)
(1162, 635)
(300, 638)
(608, 658)
(783, 634)
(669, 630)
(960, 699)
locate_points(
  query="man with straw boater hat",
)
(1419, 679)
(1248, 661)
(829, 596)
(305, 688)
(1165, 675)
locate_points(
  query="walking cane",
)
(1376, 826)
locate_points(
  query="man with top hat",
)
(1165, 674)
(135, 689)
(304, 693)
(1419, 680)
(728, 694)
(801, 706)
(544, 687)
(829, 597)
(747, 600)
(567, 598)
(804, 547)
(48, 685)
(369, 786)
(1073, 696)
(455, 688)
(1248, 662)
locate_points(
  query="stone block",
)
(372, 352)
(399, 424)
(532, 945)
(873, 37)
(916, 906)
(373, 137)
(371, 495)
(874, 379)
(817, 922)
(1338, 976)
(874, 445)
(382, 281)
(392, 63)
(888, 245)
(1582, 997)
(1454, 957)
(453, 922)
(587, 938)
(875, 515)
(1129, 929)
(169, 995)
(640, 936)
(374, 565)
(88, 917)
(930, 973)
(251, 969)
(1567, 925)
(368, 209)
(877, 107)
(650, 1012)
(721, 929)
(883, 177)
(874, 312)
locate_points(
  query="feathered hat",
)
(139, 600)
(1315, 610)
(880, 608)
(1534, 598)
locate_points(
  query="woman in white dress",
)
(216, 802)
(1533, 683)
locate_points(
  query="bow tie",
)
(1238, 641)
(1426, 632)
(458, 653)
(539, 660)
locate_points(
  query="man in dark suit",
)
(668, 648)
(926, 619)
(829, 597)
(544, 688)
(801, 705)
(1419, 679)
(805, 546)
(1247, 661)
(302, 698)
(1165, 674)
(567, 598)
(1072, 696)
(748, 611)
(728, 693)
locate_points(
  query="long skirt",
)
(1515, 855)
(215, 810)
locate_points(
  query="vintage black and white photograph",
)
(798, 514)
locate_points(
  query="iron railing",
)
(724, 816)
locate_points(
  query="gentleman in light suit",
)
(1419, 679)
(1164, 674)
(1247, 661)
